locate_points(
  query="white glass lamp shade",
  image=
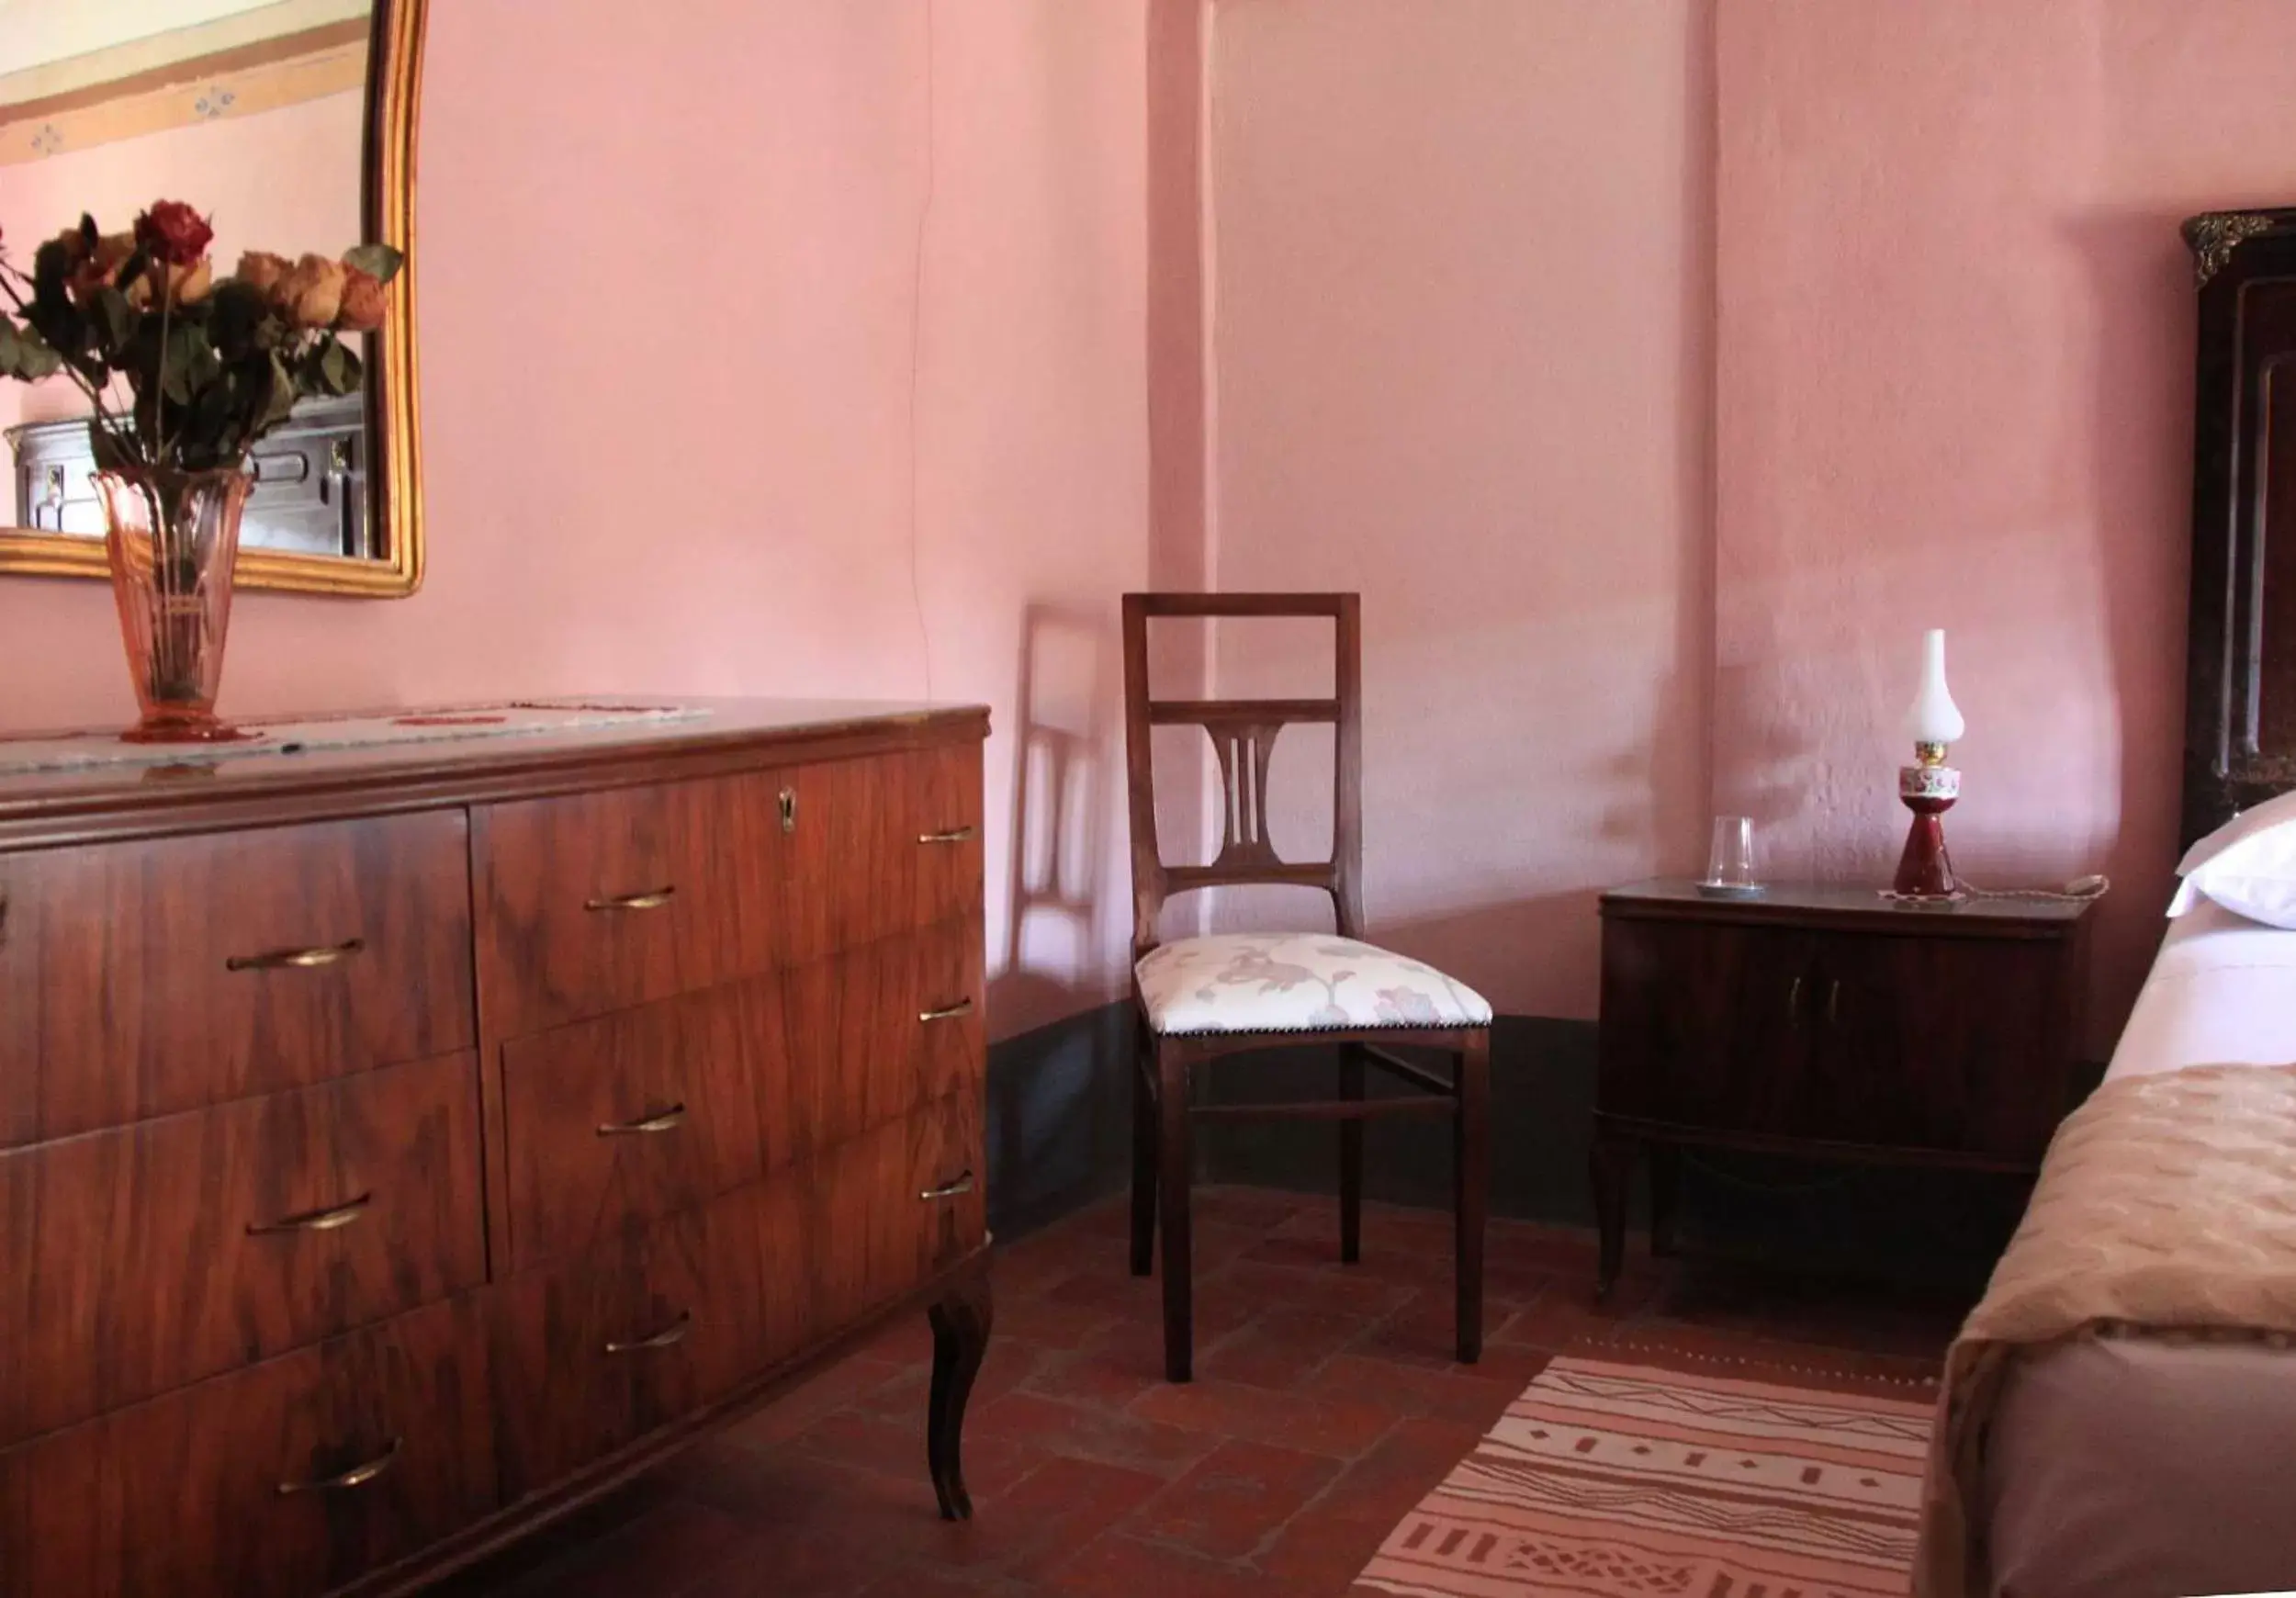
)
(1934, 717)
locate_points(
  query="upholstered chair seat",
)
(1296, 982)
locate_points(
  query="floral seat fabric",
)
(1296, 982)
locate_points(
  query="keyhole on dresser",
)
(789, 810)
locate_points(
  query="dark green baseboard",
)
(1059, 1117)
(1060, 1113)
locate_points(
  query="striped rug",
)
(1612, 1480)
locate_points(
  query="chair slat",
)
(1214, 712)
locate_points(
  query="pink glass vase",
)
(173, 537)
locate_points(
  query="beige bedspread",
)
(2166, 1202)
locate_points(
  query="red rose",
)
(172, 231)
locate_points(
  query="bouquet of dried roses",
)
(210, 364)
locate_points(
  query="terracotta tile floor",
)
(1325, 1405)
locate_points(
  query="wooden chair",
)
(1201, 998)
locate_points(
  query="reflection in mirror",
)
(253, 110)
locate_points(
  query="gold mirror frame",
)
(394, 477)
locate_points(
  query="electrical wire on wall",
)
(917, 363)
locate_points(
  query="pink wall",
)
(286, 181)
(1954, 356)
(1656, 371)
(674, 392)
(1461, 315)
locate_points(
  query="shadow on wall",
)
(1058, 1096)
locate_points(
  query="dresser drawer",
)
(593, 1357)
(141, 979)
(616, 1121)
(882, 846)
(898, 1205)
(144, 1259)
(182, 1498)
(596, 902)
(875, 1035)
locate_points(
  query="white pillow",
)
(2247, 865)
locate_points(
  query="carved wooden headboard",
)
(2240, 717)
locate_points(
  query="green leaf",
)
(189, 362)
(277, 400)
(24, 355)
(380, 261)
(114, 321)
(235, 317)
(339, 369)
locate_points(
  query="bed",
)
(2103, 1434)
(2108, 1453)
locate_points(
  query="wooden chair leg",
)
(1175, 1162)
(1351, 1072)
(1666, 1185)
(1611, 1163)
(1471, 1173)
(1144, 1155)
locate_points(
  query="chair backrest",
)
(1242, 733)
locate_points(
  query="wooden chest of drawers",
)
(398, 1147)
(1827, 1022)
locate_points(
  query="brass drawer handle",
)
(357, 1475)
(962, 1185)
(652, 899)
(1833, 1002)
(954, 835)
(786, 800)
(669, 1336)
(1794, 1004)
(333, 1219)
(667, 1121)
(297, 958)
(964, 1006)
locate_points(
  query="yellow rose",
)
(310, 296)
(260, 270)
(185, 285)
(364, 302)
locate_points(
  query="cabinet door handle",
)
(331, 1220)
(665, 1120)
(357, 1475)
(652, 899)
(669, 1336)
(1833, 1001)
(961, 1185)
(1794, 1004)
(954, 835)
(297, 958)
(787, 800)
(964, 1006)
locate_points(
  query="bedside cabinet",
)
(1829, 1022)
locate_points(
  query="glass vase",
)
(173, 538)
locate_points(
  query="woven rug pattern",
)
(1613, 1480)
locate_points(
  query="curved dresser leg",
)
(961, 1327)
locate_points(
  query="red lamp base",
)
(1925, 870)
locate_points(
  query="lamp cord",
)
(2080, 891)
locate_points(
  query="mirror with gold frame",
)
(292, 122)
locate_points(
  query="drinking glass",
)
(1731, 859)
